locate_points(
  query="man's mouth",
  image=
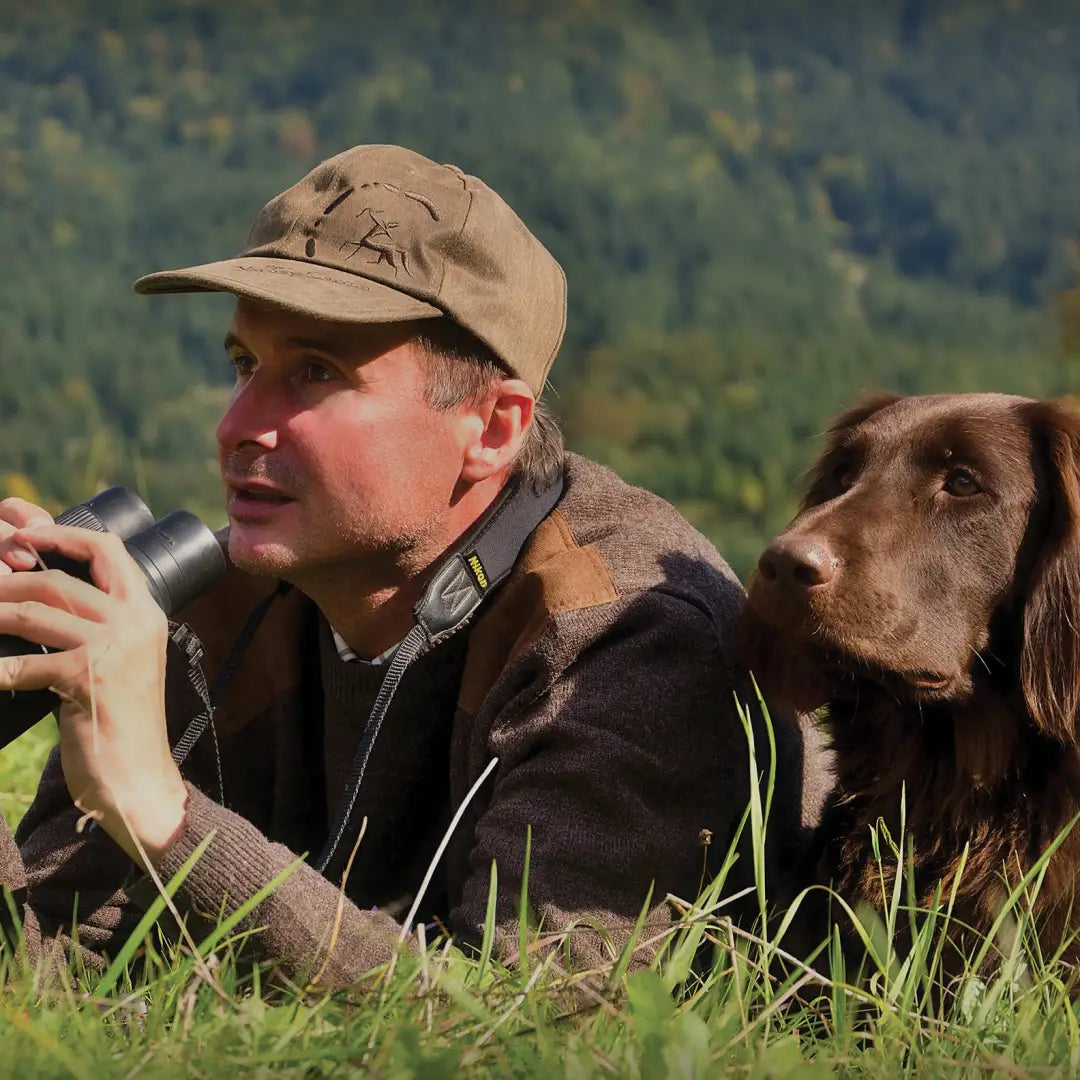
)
(249, 494)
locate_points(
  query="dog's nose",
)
(797, 560)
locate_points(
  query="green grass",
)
(440, 1014)
(21, 763)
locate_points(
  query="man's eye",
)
(960, 483)
(316, 372)
(242, 364)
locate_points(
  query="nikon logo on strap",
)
(477, 567)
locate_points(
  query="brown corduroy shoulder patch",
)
(555, 574)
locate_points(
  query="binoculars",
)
(178, 555)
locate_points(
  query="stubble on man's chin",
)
(264, 564)
(384, 562)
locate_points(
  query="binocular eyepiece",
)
(178, 555)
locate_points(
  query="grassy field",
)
(20, 767)
(437, 1013)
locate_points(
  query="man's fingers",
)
(41, 671)
(18, 514)
(41, 624)
(112, 568)
(22, 514)
(11, 558)
(57, 589)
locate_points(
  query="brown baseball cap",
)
(382, 234)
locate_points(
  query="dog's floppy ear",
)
(1050, 660)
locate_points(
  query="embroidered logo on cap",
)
(378, 234)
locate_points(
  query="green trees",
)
(763, 210)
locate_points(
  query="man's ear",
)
(505, 417)
(1050, 660)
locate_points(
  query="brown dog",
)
(928, 592)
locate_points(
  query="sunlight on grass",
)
(719, 1000)
(21, 763)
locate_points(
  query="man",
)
(384, 459)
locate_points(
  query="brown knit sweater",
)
(601, 677)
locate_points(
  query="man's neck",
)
(371, 607)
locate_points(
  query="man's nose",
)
(801, 561)
(249, 418)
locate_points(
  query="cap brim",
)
(306, 288)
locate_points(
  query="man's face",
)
(330, 455)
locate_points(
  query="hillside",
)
(763, 209)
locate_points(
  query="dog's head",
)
(930, 526)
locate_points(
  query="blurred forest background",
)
(763, 210)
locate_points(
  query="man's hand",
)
(108, 669)
(18, 514)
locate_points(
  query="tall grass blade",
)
(523, 908)
(488, 942)
(626, 954)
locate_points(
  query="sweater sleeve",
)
(305, 925)
(68, 886)
(80, 895)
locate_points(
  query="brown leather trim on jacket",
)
(218, 617)
(555, 574)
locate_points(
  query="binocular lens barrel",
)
(117, 510)
(178, 555)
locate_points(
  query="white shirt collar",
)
(349, 656)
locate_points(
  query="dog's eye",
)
(960, 482)
(843, 476)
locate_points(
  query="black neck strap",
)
(482, 559)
